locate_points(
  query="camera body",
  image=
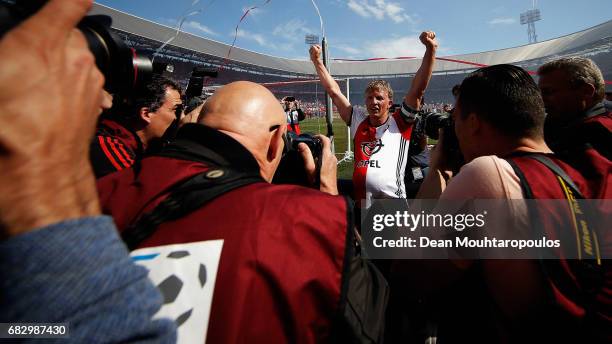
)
(435, 121)
(291, 168)
(314, 144)
(124, 70)
(196, 81)
(444, 121)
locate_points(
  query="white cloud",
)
(395, 47)
(380, 10)
(502, 21)
(191, 26)
(256, 37)
(197, 27)
(358, 8)
(293, 30)
(353, 51)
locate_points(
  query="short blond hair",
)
(380, 85)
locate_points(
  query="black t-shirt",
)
(417, 156)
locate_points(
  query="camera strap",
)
(189, 196)
(587, 269)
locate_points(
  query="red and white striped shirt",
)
(381, 154)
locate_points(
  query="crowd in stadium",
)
(98, 182)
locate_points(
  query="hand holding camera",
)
(308, 161)
(439, 158)
(441, 127)
(321, 156)
(52, 95)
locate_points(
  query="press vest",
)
(581, 289)
(281, 267)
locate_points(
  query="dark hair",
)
(455, 90)
(151, 96)
(506, 97)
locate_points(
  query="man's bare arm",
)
(435, 181)
(331, 86)
(423, 75)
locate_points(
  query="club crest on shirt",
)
(371, 148)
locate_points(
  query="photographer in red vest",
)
(499, 123)
(573, 90)
(288, 262)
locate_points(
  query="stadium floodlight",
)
(311, 39)
(529, 18)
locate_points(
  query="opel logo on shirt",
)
(371, 148)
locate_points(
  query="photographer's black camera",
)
(291, 168)
(444, 121)
(436, 121)
(123, 69)
(196, 81)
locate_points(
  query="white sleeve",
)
(358, 115)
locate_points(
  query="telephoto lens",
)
(124, 70)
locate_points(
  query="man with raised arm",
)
(381, 139)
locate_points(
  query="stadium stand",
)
(188, 50)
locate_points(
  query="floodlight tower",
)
(529, 18)
(311, 39)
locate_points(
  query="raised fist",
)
(315, 53)
(428, 38)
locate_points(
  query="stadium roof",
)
(145, 28)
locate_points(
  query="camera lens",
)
(435, 121)
(291, 168)
(122, 67)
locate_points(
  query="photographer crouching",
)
(213, 183)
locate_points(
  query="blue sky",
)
(371, 28)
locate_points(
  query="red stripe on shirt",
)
(112, 145)
(364, 133)
(108, 154)
(125, 154)
(405, 128)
